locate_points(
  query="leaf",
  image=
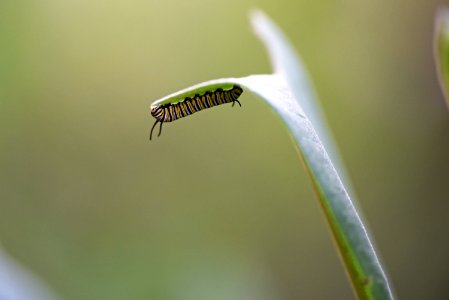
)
(441, 49)
(18, 283)
(357, 252)
(289, 94)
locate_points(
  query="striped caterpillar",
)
(170, 112)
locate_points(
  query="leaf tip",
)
(258, 19)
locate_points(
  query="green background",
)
(218, 207)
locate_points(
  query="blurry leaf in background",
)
(441, 49)
(18, 283)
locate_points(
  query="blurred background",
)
(218, 207)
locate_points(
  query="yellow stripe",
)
(219, 96)
(199, 103)
(182, 105)
(204, 98)
(191, 106)
(213, 98)
(203, 101)
(172, 111)
(178, 114)
(225, 94)
(228, 96)
(166, 114)
(209, 99)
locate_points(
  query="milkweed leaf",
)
(289, 94)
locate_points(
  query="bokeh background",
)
(218, 207)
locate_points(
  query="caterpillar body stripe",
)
(170, 112)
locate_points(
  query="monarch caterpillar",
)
(170, 112)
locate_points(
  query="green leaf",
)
(356, 250)
(441, 49)
(289, 94)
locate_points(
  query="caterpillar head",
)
(155, 110)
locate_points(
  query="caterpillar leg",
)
(233, 103)
(152, 128)
(151, 132)
(160, 129)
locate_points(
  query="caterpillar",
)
(170, 112)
